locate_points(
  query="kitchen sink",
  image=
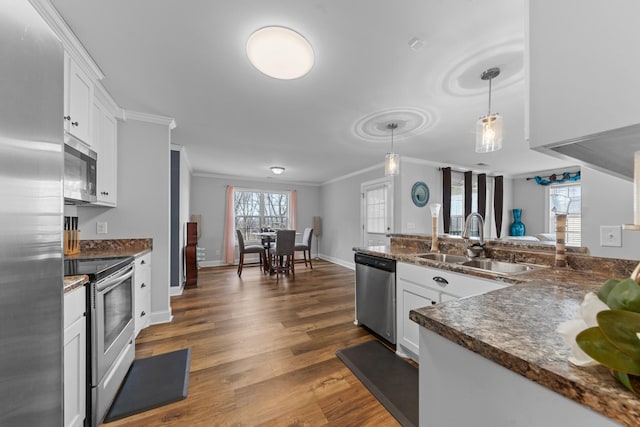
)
(500, 266)
(454, 259)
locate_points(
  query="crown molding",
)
(72, 45)
(149, 118)
(268, 180)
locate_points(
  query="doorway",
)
(376, 211)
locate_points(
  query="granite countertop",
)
(112, 248)
(531, 309)
(74, 282)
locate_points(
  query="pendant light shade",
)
(392, 160)
(489, 127)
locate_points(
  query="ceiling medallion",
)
(410, 122)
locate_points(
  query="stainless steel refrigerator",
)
(31, 204)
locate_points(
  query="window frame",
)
(547, 209)
(262, 213)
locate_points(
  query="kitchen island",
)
(498, 357)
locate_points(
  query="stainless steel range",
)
(110, 328)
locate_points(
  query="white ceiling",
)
(186, 60)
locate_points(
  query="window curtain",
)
(489, 223)
(229, 242)
(468, 193)
(482, 195)
(293, 200)
(498, 202)
(446, 199)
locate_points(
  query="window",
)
(574, 221)
(457, 206)
(376, 206)
(255, 210)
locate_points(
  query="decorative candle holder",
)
(435, 211)
(560, 205)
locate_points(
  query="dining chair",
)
(251, 249)
(282, 256)
(305, 246)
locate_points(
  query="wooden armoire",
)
(190, 262)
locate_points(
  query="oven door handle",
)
(112, 282)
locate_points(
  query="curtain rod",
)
(459, 171)
(559, 174)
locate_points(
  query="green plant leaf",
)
(606, 288)
(593, 342)
(620, 328)
(625, 296)
(623, 377)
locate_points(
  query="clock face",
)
(420, 194)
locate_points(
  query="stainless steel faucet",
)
(474, 250)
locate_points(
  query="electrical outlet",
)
(101, 228)
(611, 235)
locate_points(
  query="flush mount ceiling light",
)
(277, 170)
(280, 53)
(392, 160)
(489, 127)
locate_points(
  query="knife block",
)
(71, 242)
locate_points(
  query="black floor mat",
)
(152, 382)
(392, 380)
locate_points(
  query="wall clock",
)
(420, 194)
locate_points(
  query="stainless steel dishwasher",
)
(376, 295)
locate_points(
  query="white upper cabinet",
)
(583, 68)
(78, 99)
(105, 142)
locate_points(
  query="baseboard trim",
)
(161, 317)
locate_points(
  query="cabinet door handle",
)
(440, 281)
(433, 303)
(67, 118)
(142, 262)
(143, 314)
(74, 123)
(143, 286)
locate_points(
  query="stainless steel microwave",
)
(80, 164)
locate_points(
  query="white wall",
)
(412, 218)
(143, 203)
(185, 205)
(208, 195)
(607, 200)
(341, 201)
(530, 197)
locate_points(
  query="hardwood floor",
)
(264, 354)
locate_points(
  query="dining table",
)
(267, 238)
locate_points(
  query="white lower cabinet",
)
(142, 285)
(419, 286)
(75, 357)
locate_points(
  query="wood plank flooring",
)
(264, 354)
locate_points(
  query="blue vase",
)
(517, 227)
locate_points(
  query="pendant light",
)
(489, 127)
(392, 160)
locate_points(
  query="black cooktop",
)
(95, 268)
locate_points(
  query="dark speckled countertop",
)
(532, 308)
(105, 249)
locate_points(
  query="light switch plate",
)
(101, 228)
(611, 235)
